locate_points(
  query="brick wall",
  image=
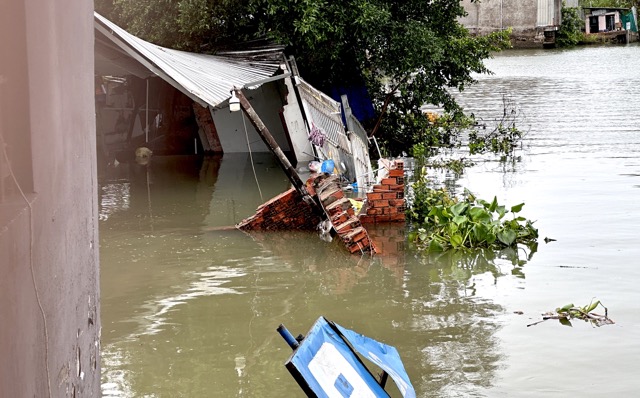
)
(286, 211)
(386, 202)
(340, 211)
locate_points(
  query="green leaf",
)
(565, 322)
(456, 240)
(479, 214)
(435, 246)
(460, 219)
(565, 308)
(480, 232)
(458, 208)
(507, 237)
(494, 204)
(517, 208)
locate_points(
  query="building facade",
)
(533, 23)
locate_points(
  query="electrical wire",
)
(33, 275)
(246, 133)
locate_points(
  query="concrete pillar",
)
(49, 288)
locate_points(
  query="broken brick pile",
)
(340, 212)
(386, 202)
(286, 211)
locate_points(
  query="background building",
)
(534, 23)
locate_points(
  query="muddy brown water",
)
(190, 308)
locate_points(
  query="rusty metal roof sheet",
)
(207, 79)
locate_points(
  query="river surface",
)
(190, 306)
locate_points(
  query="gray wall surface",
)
(49, 288)
(525, 18)
(491, 15)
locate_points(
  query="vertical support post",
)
(146, 129)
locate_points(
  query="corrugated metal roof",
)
(207, 79)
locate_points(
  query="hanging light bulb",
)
(234, 102)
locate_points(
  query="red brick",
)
(339, 218)
(396, 202)
(381, 188)
(379, 203)
(388, 181)
(365, 219)
(389, 195)
(396, 173)
(336, 193)
(390, 210)
(375, 196)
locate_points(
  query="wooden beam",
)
(268, 139)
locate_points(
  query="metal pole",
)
(288, 337)
(146, 132)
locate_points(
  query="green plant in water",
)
(446, 222)
(568, 312)
(505, 137)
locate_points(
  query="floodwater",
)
(190, 307)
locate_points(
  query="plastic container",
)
(328, 166)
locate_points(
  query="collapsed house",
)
(175, 102)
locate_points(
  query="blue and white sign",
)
(326, 366)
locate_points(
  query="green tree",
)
(406, 53)
(570, 32)
(609, 3)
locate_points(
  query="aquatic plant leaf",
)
(565, 322)
(460, 219)
(507, 237)
(435, 246)
(517, 208)
(565, 308)
(494, 204)
(456, 240)
(479, 214)
(458, 208)
(480, 232)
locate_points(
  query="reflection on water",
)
(114, 196)
(190, 305)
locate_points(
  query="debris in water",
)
(570, 311)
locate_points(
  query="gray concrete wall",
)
(267, 102)
(492, 15)
(49, 288)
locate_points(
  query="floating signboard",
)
(325, 363)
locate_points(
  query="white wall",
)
(267, 102)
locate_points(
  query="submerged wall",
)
(49, 291)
